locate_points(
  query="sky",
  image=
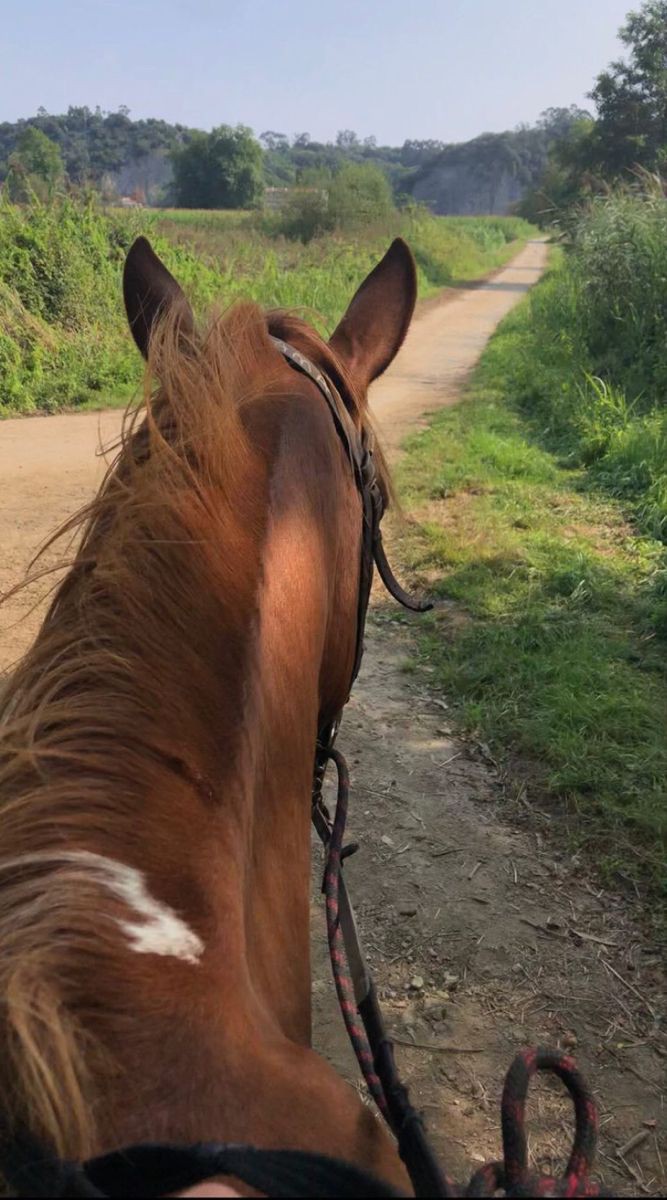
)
(397, 69)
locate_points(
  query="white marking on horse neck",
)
(159, 930)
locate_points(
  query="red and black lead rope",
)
(337, 951)
(375, 1056)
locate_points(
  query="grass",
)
(104, 401)
(551, 636)
(63, 336)
(588, 366)
(250, 259)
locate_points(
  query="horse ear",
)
(376, 322)
(150, 292)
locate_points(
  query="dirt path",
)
(445, 342)
(483, 936)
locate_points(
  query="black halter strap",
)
(155, 1170)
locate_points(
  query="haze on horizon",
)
(442, 69)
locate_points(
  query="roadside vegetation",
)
(541, 508)
(541, 502)
(63, 339)
(589, 353)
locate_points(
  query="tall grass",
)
(590, 353)
(59, 319)
(63, 338)
(256, 260)
(451, 250)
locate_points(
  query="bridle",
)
(359, 446)
(156, 1170)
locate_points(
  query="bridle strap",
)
(391, 583)
(358, 999)
(353, 979)
(341, 418)
(358, 447)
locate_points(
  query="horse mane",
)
(162, 589)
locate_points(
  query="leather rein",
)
(353, 979)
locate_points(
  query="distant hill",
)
(489, 174)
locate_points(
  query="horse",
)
(157, 747)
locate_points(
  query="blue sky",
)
(446, 69)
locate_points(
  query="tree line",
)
(229, 167)
(565, 157)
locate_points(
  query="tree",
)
(36, 166)
(346, 139)
(559, 121)
(415, 152)
(221, 169)
(359, 192)
(631, 96)
(272, 140)
(631, 126)
(567, 180)
(93, 143)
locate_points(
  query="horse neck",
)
(302, 658)
(180, 788)
(249, 1005)
(251, 746)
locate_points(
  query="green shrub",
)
(359, 194)
(60, 325)
(356, 196)
(305, 216)
(220, 169)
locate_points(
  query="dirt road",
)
(485, 936)
(445, 342)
